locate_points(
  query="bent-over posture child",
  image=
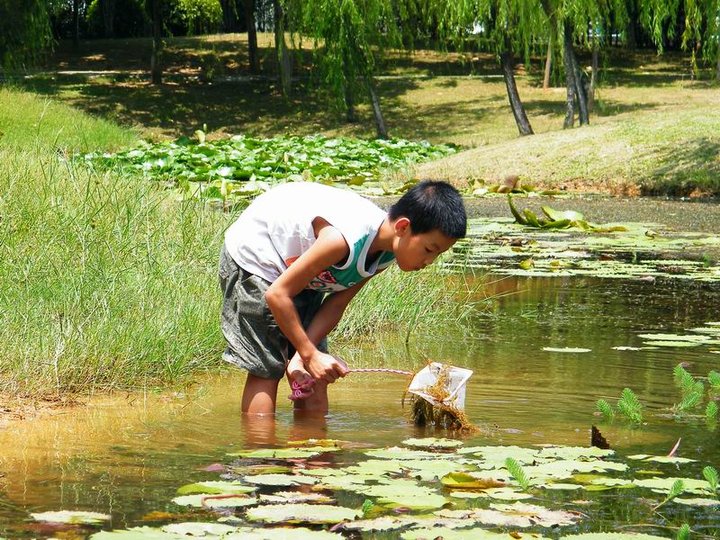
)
(295, 258)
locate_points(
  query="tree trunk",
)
(594, 76)
(76, 23)
(350, 114)
(548, 65)
(521, 119)
(252, 36)
(581, 91)
(108, 16)
(569, 81)
(382, 131)
(284, 62)
(717, 66)
(155, 57)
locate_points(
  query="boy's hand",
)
(326, 367)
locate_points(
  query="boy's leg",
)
(259, 395)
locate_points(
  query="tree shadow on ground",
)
(688, 170)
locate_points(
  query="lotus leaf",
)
(428, 470)
(661, 459)
(215, 501)
(461, 480)
(279, 479)
(296, 497)
(198, 528)
(663, 485)
(71, 516)
(432, 442)
(458, 534)
(396, 452)
(507, 494)
(668, 343)
(566, 349)
(574, 452)
(404, 493)
(697, 501)
(514, 515)
(215, 487)
(138, 533)
(283, 453)
(301, 513)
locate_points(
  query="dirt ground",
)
(15, 409)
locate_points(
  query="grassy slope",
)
(105, 282)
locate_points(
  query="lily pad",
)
(668, 343)
(461, 480)
(284, 453)
(661, 459)
(301, 513)
(294, 497)
(198, 528)
(663, 485)
(514, 515)
(613, 536)
(566, 349)
(457, 534)
(215, 501)
(697, 501)
(279, 479)
(215, 487)
(71, 516)
(404, 493)
(431, 442)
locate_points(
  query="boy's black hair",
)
(430, 205)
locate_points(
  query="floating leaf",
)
(461, 480)
(215, 487)
(71, 516)
(283, 453)
(279, 479)
(215, 501)
(566, 349)
(301, 513)
(432, 442)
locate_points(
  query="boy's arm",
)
(331, 311)
(329, 248)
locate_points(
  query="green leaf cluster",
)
(630, 407)
(241, 167)
(556, 219)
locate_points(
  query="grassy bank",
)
(104, 279)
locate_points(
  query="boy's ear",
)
(402, 226)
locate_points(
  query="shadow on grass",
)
(688, 170)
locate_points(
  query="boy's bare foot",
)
(301, 382)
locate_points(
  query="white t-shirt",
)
(277, 228)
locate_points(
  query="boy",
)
(295, 258)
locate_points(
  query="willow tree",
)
(350, 39)
(510, 27)
(701, 33)
(24, 32)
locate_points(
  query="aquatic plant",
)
(683, 532)
(630, 407)
(711, 411)
(677, 489)
(692, 390)
(711, 475)
(606, 409)
(714, 380)
(517, 472)
(557, 219)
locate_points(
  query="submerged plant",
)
(517, 472)
(675, 490)
(629, 406)
(606, 409)
(683, 532)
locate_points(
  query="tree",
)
(156, 8)
(284, 60)
(351, 37)
(24, 32)
(249, 9)
(509, 27)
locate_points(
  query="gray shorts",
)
(254, 340)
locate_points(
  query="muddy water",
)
(126, 455)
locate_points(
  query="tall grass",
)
(106, 282)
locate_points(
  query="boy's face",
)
(416, 251)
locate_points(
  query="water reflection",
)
(127, 455)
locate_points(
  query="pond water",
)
(127, 455)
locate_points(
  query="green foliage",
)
(692, 390)
(517, 472)
(676, 489)
(197, 16)
(711, 411)
(129, 18)
(711, 475)
(629, 406)
(714, 380)
(683, 532)
(606, 409)
(239, 168)
(24, 32)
